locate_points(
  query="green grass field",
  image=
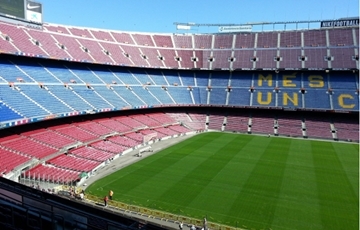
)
(246, 181)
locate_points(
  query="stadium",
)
(240, 129)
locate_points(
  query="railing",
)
(160, 215)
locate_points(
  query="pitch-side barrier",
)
(160, 215)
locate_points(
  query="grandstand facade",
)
(277, 69)
(72, 99)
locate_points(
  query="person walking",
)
(181, 225)
(105, 200)
(81, 195)
(111, 193)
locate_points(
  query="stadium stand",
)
(51, 174)
(10, 160)
(216, 121)
(51, 138)
(72, 162)
(92, 153)
(49, 88)
(289, 125)
(108, 146)
(91, 94)
(237, 121)
(28, 147)
(125, 141)
(74, 132)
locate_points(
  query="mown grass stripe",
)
(349, 162)
(335, 193)
(259, 194)
(299, 184)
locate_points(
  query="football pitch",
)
(246, 181)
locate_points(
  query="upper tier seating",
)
(18, 37)
(174, 51)
(123, 37)
(163, 40)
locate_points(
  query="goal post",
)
(149, 137)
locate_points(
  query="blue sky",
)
(159, 15)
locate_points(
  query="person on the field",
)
(111, 193)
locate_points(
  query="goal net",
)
(149, 137)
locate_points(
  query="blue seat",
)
(317, 99)
(220, 79)
(110, 95)
(128, 96)
(69, 97)
(21, 103)
(218, 96)
(157, 77)
(45, 99)
(263, 97)
(181, 95)
(289, 98)
(91, 97)
(203, 95)
(145, 95)
(7, 114)
(343, 81)
(202, 79)
(187, 78)
(241, 79)
(196, 94)
(161, 95)
(239, 97)
(345, 100)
